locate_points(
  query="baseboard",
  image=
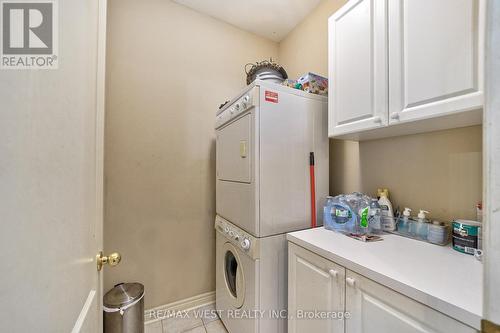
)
(187, 304)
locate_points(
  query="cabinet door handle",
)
(350, 282)
(395, 116)
(333, 273)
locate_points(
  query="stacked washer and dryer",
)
(264, 139)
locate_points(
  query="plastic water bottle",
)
(344, 215)
(337, 214)
(328, 213)
(363, 220)
(374, 223)
(363, 213)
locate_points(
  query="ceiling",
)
(272, 19)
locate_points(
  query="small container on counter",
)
(438, 233)
(467, 237)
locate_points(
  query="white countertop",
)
(437, 276)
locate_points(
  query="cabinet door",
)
(374, 308)
(357, 55)
(435, 58)
(316, 286)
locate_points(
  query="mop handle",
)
(313, 190)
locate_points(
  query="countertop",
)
(437, 276)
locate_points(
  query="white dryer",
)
(263, 140)
(251, 284)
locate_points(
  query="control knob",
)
(245, 244)
(244, 102)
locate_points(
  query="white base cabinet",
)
(314, 284)
(317, 284)
(375, 308)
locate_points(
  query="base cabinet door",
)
(374, 308)
(316, 291)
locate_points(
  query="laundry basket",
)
(124, 309)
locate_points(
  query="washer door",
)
(233, 275)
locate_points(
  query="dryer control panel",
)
(238, 237)
(238, 107)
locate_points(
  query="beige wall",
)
(439, 171)
(168, 70)
(305, 49)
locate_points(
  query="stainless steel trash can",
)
(124, 309)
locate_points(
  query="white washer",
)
(263, 140)
(251, 281)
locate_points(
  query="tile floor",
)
(191, 324)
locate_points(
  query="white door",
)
(491, 164)
(357, 55)
(51, 135)
(378, 309)
(314, 284)
(435, 57)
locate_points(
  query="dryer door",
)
(234, 160)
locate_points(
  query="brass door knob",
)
(112, 260)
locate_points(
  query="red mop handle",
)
(313, 190)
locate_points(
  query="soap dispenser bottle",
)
(404, 222)
(422, 224)
(422, 217)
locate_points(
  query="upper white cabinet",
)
(358, 67)
(393, 62)
(435, 58)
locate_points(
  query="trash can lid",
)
(123, 294)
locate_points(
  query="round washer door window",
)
(233, 275)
